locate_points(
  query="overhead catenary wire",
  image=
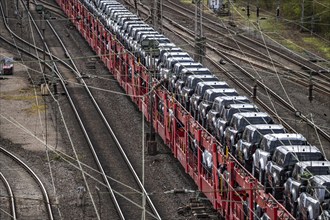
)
(29, 15)
(64, 156)
(36, 99)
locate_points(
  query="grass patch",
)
(61, 157)
(291, 45)
(24, 94)
(280, 31)
(35, 109)
(318, 45)
(18, 97)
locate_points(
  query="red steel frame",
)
(226, 192)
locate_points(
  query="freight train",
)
(237, 155)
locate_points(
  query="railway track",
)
(180, 115)
(58, 58)
(87, 121)
(18, 188)
(95, 23)
(123, 200)
(214, 55)
(276, 60)
(11, 206)
(242, 41)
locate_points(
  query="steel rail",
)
(117, 141)
(109, 128)
(11, 196)
(91, 146)
(319, 85)
(265, 59)
(31, 45)
(88, 139)
(321, 82)
(258, 43)
(259, 83)
(57, 72)
(36, 178)
(61, 79)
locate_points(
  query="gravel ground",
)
(23, 131)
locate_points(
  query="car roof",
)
(220, 90)
(304, 164)
(250, 114)
(298, 148)
(212, 83)
(264, 126)
(233, 98)
(202, 76)
(242, 105)
(282, 136)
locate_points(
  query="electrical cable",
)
(65, 156)
(40, 120)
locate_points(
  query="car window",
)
(246, 135)
(279, 158)
(318, 170)
(303, 156)
(295, 172)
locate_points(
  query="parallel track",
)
(298, 60)
(78, 75)
(181, 31)
(321, 82)
(35, 177)
(115, 139)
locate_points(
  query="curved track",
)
(12, 205)
(45, 196)
(83, 120)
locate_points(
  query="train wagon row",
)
(246, 164)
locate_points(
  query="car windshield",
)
(327, 191)
(306, 156)
(318, 170)
(258, 120)
(199, 90)
(282, 142)
(247, 135)
(279, 158)
(190, 82)
(206, 96)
